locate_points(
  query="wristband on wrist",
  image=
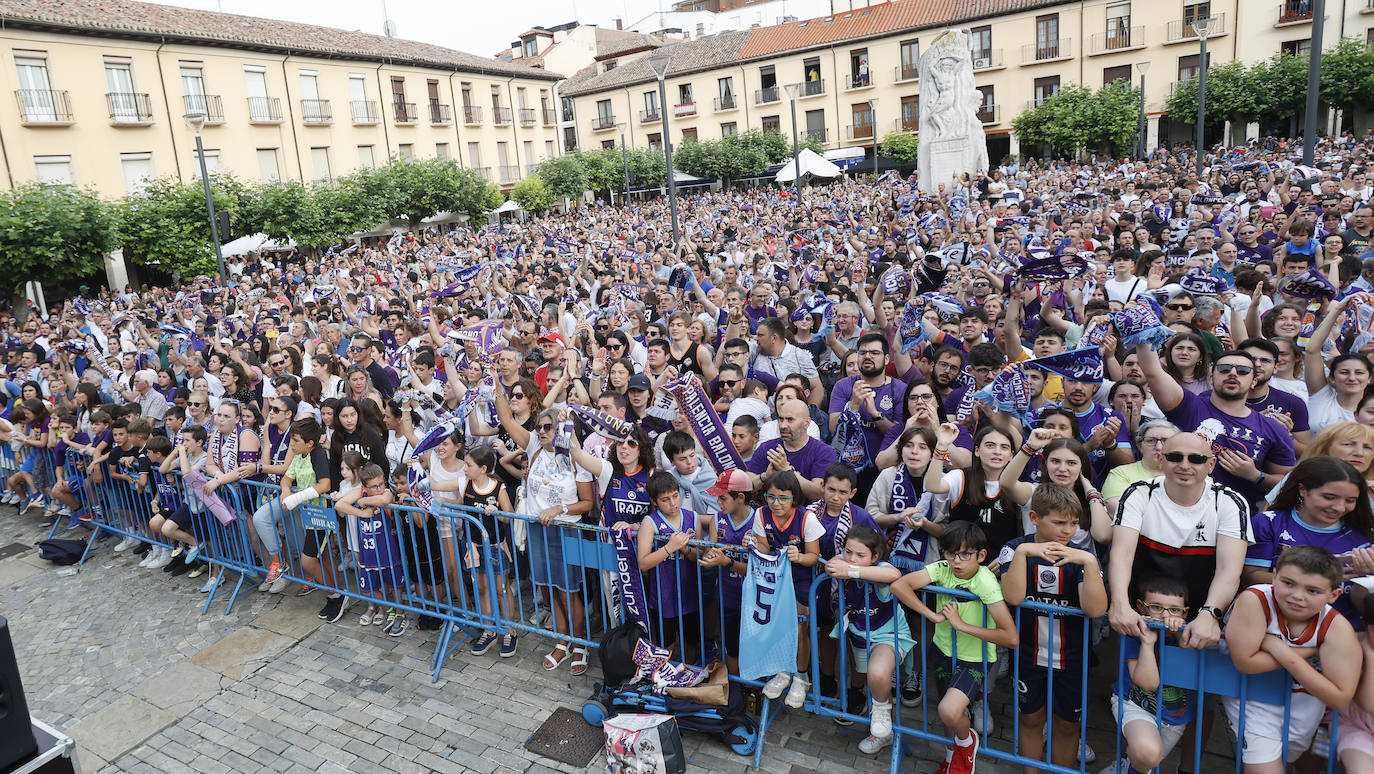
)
(1261, 478)
(852, 572)
(1027, 450)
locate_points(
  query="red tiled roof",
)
(128, 18)
(859, 23)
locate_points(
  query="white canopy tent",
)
(812, 163)
(251, 244)
(510, 205)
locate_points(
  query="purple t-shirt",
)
(757, 316)
(1254, 254)
(1256, 436)
(890, 400)
(1276, 531)
(1286, 402)
(810, 460)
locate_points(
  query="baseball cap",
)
(551, 338)
(638, 382)
(731, 481)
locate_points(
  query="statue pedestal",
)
(948, 159)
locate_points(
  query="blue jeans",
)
(265, 522)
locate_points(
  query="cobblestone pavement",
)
(122, 660)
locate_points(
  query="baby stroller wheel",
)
(594, 712)
(743, 739)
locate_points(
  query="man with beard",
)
(878, 399)
(1283, 407)
(1253, 451)
(793, 450)
(946, 363)
(1102, 430)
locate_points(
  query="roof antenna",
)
(388, 26)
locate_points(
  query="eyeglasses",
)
(1160, 610)
(1156, 440)
(930, 396)
(1196, 459)
(1178, 307)
(355, 349)
(960, 556)
(777, 498)
(545, 427)
(872, 353)
(1226, 368)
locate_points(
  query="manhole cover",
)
(13, 549)
(567, 738)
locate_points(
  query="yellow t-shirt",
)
(1054, 383)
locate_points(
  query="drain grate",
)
(565, 737)
(13, 549)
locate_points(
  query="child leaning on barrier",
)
(1044, 568)
(173, 516)
(873, 623)
(671, 568)
(70, 475)
(376, 550)
(1287, 625)
(305, 478)
(961, 662)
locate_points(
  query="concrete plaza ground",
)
(122, 660)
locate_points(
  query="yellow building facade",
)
(100, 99)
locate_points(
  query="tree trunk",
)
(19, 303)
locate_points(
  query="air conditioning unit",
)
(981, 62)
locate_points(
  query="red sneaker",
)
(965, 756)
(944, 765)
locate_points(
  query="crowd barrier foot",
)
(453, 635)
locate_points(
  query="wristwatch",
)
(1216, 613)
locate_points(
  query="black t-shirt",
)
(381, 379)
(1354, 243)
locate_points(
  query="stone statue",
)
(951, 134)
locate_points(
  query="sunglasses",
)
(544, 428)
(515, 395)
(1226, 368)
(195, 403)
(630, 443)
(730, 382)
(276, 363)
(615, 346)
(276, 409)
(1196, 459)
(355, 349)
(1178, 307)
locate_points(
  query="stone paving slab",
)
(119, 726)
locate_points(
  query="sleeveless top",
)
(278, 446)
(688, 363)
(727, 534)
(481, 500)
(794, 534)
(999, 517)
(673, 584)
(865, 611)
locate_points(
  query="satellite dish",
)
(389, 28)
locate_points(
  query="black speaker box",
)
(17, 742)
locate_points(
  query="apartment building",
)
(854, 72)
(101, 89)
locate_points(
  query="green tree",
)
(167, 225)
(1077, 118)
(430, 186)
(1347, 74)
(533, 194)
(812, 143)
(1231, 95)
(1117, 116)
(53, 232)
(566, 176)
(278, 210)
(774, 146)
(900, 146)
(646, 167)
(604, 169)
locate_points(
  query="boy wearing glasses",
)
(961, 655)
(1162, 601)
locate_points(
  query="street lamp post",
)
(659, 63)
(873, 124)
(1141, 67)
(197, 122)
(625, 159)
(1203, 27)
(793, 89)
(1314, 75)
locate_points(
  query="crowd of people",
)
(1112, 386)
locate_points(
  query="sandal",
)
(553, 660)
(579, 664)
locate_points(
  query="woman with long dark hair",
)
(975, 493)
(1186, 360)
(1066, 463)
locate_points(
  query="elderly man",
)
(793, 450)
(152, 404)
(1184, 525)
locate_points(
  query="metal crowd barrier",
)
(471, 555)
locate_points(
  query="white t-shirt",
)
(1159, 519)
(551, 483)
(1124, 290)
(1323, 410)
(811, 530)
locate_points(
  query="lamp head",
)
(1142, 67)
(658, 62)
(792, 89)
(196, 121)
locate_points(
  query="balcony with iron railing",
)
(685, 110)
(317, 112)
(909, 71)
(811, 88)
(527, 116)
(264, 110)
(440, 114)
(987, 59)
(509, 173)
(859, 131)
(722, 104)
(129, 109)
(1118, 39)
(1046, 51)
(853, 81)
(821, 135)
(603, 122)
(365, 112)
(483, 172)
(208, 105)
(1294, 12)
(44, 107)
(905, 125)
(1181, 30)
(501, 116)
(405, 113)
(550, 117)
(767, 95)
(472, 115)
(650, 116)
(989, 114)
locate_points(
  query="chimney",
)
(619, 22)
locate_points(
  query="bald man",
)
(793, 449)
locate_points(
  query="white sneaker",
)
(880, 719)
(873, 744)
(149, 559)
(976, 710)
(774, 688)
(163, 560)
(1086, 753)
(264, 586)
(126, 544)
(1120, 767)
(796, 695)
(277, 586)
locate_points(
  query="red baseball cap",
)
(731, 481)
(552, 338)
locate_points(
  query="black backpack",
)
(617, 652)
(61, 551)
